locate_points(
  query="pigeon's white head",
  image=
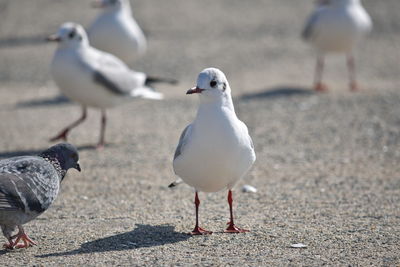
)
(112, 5)
(211, 85)
(70, 35)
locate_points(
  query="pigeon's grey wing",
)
(29, 180)
(183, 140)
(15, 194)
(309, 28)
(112, 74)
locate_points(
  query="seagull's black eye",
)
(71, 34)
(213, 83)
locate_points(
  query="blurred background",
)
(257, 44)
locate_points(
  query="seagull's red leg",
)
(101, 143)
(63, 134)
(198, 230)
(352, 73)
(24, 237)
(319, 68)
(232, 228)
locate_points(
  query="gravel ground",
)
(327, 170)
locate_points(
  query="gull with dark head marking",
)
(95, 78)
(28, 186)
(215, 150)
(116, 31)
(335, 27)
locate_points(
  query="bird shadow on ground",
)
(17, 153)
(13, 41)
(142, 236)
(278, 92)
(57, 100)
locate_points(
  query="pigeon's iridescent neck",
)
(56, 164)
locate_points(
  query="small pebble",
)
(298, 245)
(249, 189)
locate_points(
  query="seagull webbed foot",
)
(200, 231)
(234, 229)
(320, 87)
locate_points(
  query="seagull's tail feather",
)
(146, 92)
(151, 79)
(175, 183)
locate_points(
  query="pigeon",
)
(336, 26)
(215, 150)
(116, 31)
(95, 78)
(28, 186)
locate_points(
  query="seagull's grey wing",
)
(309, 28)
(185, 136)
(112, 74)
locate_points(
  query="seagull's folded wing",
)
(112, 74)
(310, 28)
(183, 140)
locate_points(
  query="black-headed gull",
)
(335, 27)
(215, 150)
(28, 186)
(116, 31)
(94, 78)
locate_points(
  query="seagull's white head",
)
(211, 85)
(70, 35)
(111, 5)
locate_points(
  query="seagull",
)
(28, 186)
(215, 150)
(336, 26)
(94, 78)
(116, 31)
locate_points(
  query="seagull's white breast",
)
(338, 30)
(218, 153)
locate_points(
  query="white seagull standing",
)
(116, 31)
(215, 150)
(335, 27)
(94, 78)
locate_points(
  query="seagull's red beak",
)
(53, 38)
(194, 90)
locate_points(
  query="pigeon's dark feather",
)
(15, 194)
(29, 178)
